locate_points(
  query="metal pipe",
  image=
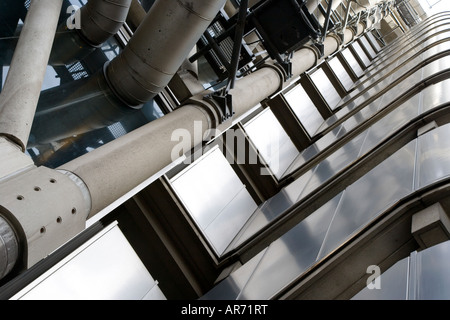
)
(98, 21)
(23, 84)
(158, 48)
(9, 247)
(101, 19)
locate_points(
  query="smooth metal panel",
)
(374, 192)
(230, 288)
(352, 62)
(304, 109)
(393, 284)
(373, 41)
(435, 95)
(433, 280)
(272, 142)
(326, 88)
(393, 121)
(433, 156)
(341, 73)
(273, 207)
(368, 47)
(105, 268)
(362, 55)
(222, 230)
(207, 186)
(291, 254)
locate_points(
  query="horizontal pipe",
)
(116, 168)
(93, 24)
(20, 94)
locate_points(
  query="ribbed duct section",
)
(158, 48)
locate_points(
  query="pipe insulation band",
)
(101, 19)
(159, 47)
(9, 247)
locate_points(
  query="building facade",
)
(233, 150)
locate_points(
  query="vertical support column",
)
(23, 84)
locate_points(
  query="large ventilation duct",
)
(154, 54)
(88, 28)
(159, 47)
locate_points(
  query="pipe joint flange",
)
(209, 107)
(339, 39)
(284, 76)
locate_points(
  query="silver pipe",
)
(9, 247)
(158, 48)
(98, 21)
(23, 84)
(101, 19)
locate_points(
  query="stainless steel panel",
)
(334, 164)
(370, 195)
(435, 95)
(433, 280)
(304, 109)
(373, 41)
(290, 255)
(274, 145)
(272, 208)
(393, 121)
(207, 187)
(341, 73)
(393, 284)
(104, 268)
(436, 66)
(362, 55)
(222, 230)
(368, 47)
(326, 88)
(230, 288)
(352, 62)
(433, 156)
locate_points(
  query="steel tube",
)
(117, 167)
(158, 48)
(23, 84)
(101, 19)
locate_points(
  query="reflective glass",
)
(215, 197)
(341, 73)
(326, 88)
(273, 143)
(304, 109)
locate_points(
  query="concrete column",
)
(23, 84)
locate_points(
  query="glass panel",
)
(290, 255)
(433, 156)
(352, 62)
(341, 73)
(357, 208)
(104, 268)
(393, 284)
(368, 47)
(274, 145)
(360, 52)
(215, 197)
(433, 278)
(304, 109)
(326, 88)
